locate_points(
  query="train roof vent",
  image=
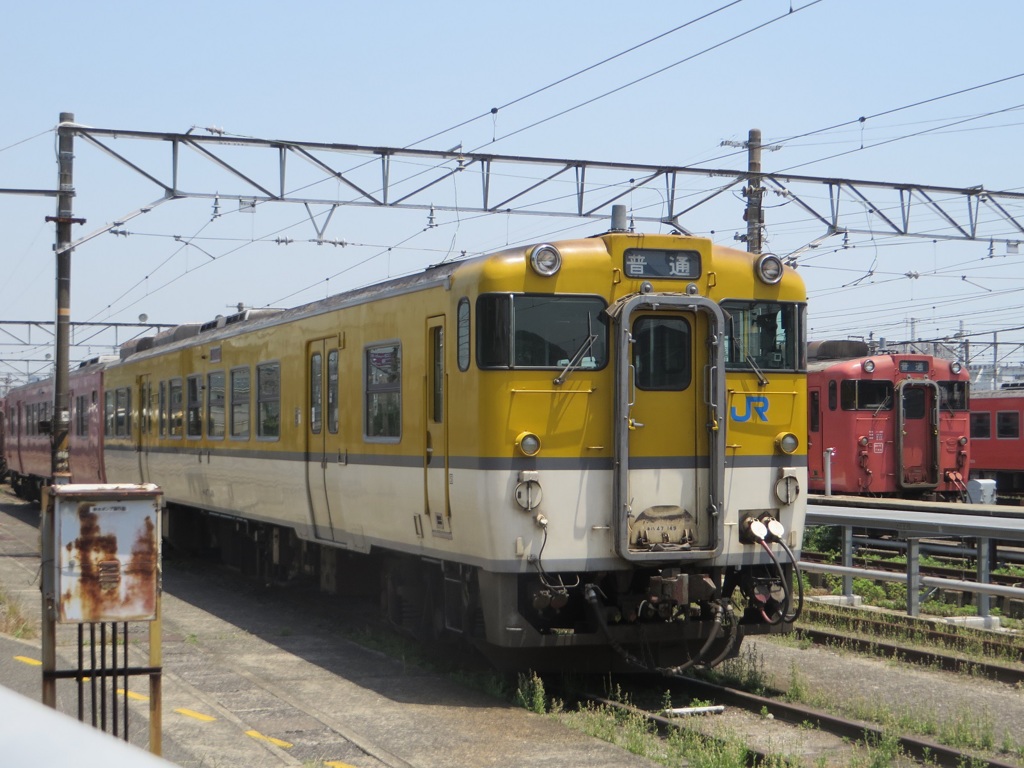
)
(128, 349)
(177, 333)
(836, 349)
(217, 322)
(250, 314)
(99, 359)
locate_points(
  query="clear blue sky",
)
(392, 74)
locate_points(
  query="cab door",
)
(321, 412)
(435, 459)
(670, 432)
(917, 439)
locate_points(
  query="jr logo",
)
(756, 404)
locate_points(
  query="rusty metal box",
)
(108, 556)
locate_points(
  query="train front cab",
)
(704, 457)
(892, 425)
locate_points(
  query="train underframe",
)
(27, 487)
(664, 619)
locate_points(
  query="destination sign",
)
(662, 264)
(913, 366)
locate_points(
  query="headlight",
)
(863, 442)
(768, 268)
(962, 440)
(955, 368)
(787, 442)
(545, 260)
(528, 443)
(868, 366)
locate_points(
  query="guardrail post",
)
(984, 576)
(848, 562)
(827, 460)
(914, 577)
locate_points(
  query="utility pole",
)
(754, 191)
(61, 420)
(995, 360)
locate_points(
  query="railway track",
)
(848, 731)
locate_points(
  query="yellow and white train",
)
(579, 454)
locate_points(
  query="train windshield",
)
(523, 331)
(764, 335)
(866, 395)
(953, 395)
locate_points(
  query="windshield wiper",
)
(574, 363)
(761, 378)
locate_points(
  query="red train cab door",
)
(435, 460)
(917, 434)
(321, 423)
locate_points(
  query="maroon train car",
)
(997, 447)
(886, 424)
(28, 413)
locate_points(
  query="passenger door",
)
(145, 425)
(435, 460)
(322, 405)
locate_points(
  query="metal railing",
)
(987, 525)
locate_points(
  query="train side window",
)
(981, 426)
(814, 410)
(80, 411)
(240, 396)
(464, 340)
(162, 413)
(383, 391)
(175, 408)
(108, 413)
(215, 404)
(194, 421)
(316, 392)
(268, 400)
(661, 353)
(332, 391)
(1007, 425)
(833, 395)
(122, 409)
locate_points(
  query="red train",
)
(28, 414)
(886, 424)
(997, 447)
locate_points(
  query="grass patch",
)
(13, 620)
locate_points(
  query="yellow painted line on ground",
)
(338, 764)
(271, 739)
(196, 715)
(27, 660)
(133, 695)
